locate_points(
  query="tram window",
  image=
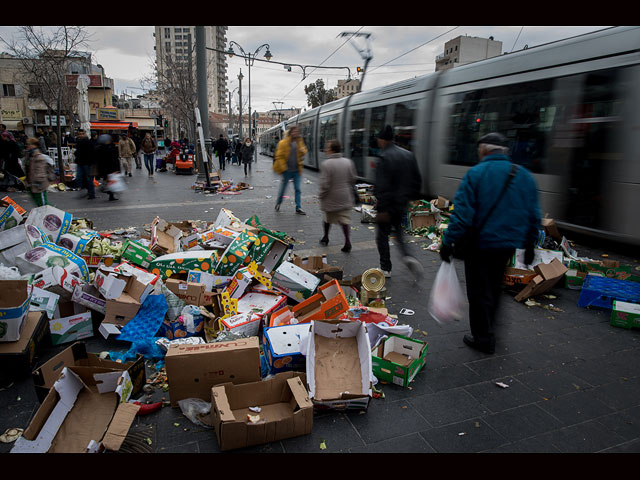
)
(328, 130)
(356, 140)
(522, 112)
(306, 131)
(376, 124)
(404, 124)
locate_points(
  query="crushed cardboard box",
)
(548, 274)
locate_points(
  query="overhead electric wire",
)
(514, 43)
(415, 48)
(343, 44)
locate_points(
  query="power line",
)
(415, 48)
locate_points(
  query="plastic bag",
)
(115, 183)
(195, 410)
(446, 302)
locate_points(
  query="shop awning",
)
(113, 125)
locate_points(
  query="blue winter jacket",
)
(516, 219)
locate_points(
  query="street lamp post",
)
(240, 77)
(249, 59)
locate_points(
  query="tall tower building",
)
(178, 44)
(465, 49)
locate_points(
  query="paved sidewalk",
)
(573, 378)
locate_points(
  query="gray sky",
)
(126, 52)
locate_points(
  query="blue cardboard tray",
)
(602, 291)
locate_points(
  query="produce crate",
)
(601, 291)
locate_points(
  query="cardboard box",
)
(193, 369)
(398, 359)
(43, 301)
(137, 254)
(188, 292)
(625, 314)
(242, 279)
(182, 262)
(318, 266)
(283, 345)
(165, 238)
(550, 228)
(237, 255)
(49, 255)
(517, 277)
(246, 324)
(9, 218)
(76, 243)
(260, 304)
(226, 218)
(8, 200)
(58, 280)
(81, 413)
(547, 276)
(50, 220)
(224, 235)
(540, 255)
(18, 358)
(76, 355)
(294, 282)
(339, 365)
(121, 310)
(269, 251)
(210, 282)
(88, 296)
(71, 328)
(286, 411)
(328, 304)
(15, 297)
(423, 219)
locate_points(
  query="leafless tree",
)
(45, 54)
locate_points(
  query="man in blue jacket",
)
(514, 223)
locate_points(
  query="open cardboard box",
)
(85, 411)
(193, 369)
(189, 292)
(76, 355)
(318, 266)
(165, 238)
(339, 365)
(294, 282)
(15, 297)
(548, 274)
(398, 359)
(283, 345)
(329, 303)
(18, 358)
(286, 411)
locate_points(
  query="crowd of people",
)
(234, 152)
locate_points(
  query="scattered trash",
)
(502, 385)
(11, 435)
(323, 445)
(406, 311)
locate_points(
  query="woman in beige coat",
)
(337, 177)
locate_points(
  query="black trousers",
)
(383, 230)
(484, 271)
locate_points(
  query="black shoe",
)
(346, 248)
(324, 241)
(299, 211)
(277, 207)
(130, 175)
(484, 348)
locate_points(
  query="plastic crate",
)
(601, 291)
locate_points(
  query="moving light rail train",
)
(570, 109)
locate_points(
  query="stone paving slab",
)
(573, 378)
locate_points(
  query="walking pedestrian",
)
(148, 147)
(40, 172)
(496, 211)
(126, 150)
(337, 177)
(220, 149)
(288, 163)
(235, 156)
(136, 140)
(10, 155)
(108, 161)
(398, 180)
(246, 153)
(85, 160)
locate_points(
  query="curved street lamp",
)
(249, 59)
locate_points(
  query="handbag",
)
(470, 240)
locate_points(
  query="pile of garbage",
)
(225, 310)
(217, 185)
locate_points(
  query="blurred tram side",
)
(571, 110)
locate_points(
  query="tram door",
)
(596, 120)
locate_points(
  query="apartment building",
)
(178, 42)
(347, 87)
(465, 49)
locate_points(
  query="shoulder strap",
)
(512, 173)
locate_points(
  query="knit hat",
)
(494, 138)
(386, 133)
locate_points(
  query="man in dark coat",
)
(398, 181)
(220, 149)
(10, 155)
(85, 159)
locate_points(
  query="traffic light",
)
(359, 69)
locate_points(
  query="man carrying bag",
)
(495, 211)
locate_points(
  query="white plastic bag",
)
(446, 302)
(115, 183)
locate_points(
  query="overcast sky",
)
(399, 53)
